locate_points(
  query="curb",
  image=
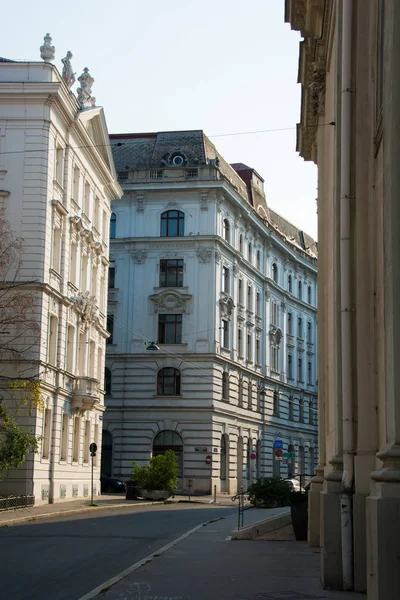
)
(261, 527)
(71, 512)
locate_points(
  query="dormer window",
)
(178, 160)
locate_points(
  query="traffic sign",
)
(93, 449)
(208, 459)
(278, 444)
(253, 456)
(289, 455)
(278, 452)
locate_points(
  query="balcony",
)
(85, 394)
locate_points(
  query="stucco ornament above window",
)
(139, 256)
(47, 51)
(204, 255)
(171, 302)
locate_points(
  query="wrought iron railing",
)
(241, 507)
(13, 502)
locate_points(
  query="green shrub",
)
(270, 491)
(160, 474)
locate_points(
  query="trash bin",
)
(131, 490)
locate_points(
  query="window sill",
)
(161, 396)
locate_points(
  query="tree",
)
(18, 334)
(160, 474)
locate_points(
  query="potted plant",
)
(299, 514)
(269, 492)
(159, 479)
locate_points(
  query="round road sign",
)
(208, 459)
(278, 452)
(253, 456)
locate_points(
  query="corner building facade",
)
(58, 179)
(227, 289)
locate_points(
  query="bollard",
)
(215, 494)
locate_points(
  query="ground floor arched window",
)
(169, 440)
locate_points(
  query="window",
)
(100, 366)
(275, 358)
(92, 354)
(290, 366)
(291, 411)
(301, 410)
(168, 382)
(241, 243)
(240, 291)
(72, 263)
(110, 329)
(300, 369)
(223, 458)
(275, 272)
(84, 272)
(226, 230)
(225, 279)
(111, 277)
(276, 404)
(309, 294)
(93, 287)
(156, 174)
(172, 223)
(249, 348)
(257, 351)
(107, 381)
(225, 386)
(70, 348)
(249, 298)
(290, 323)
(300, 290)
(113, 226)
(275, 313)
(240, 399)
(82, 354)
(170, 329)
(52, 340)
(258, 260)
(225, 334)
(56, 263)
(300, 327)
(250, 252)
(86, 442)
(309, 332)
(309, 373)
(77, 427)
(171, 273)
(290, 284)
(46, 433)
(64, 437)
(59, 165)
(77, 176)
(96, 212)
(86, 199)
(240, 343)
(257, 303)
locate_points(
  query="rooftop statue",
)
(67, 73)
(85, 89)
(47, 51)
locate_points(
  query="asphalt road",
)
(66, 557)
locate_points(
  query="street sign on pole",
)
(278, 453)
(278, 444)
(289, 455)
(93, 450)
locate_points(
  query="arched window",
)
(275, 272)
(309, 294)
(169, 440)
(168, 382)
(226, 230)
(107, 381)
(258, 260)
(241, 243)
(300, 291)
(172, 223)
(250, 252)
(290, 284)
(113, 226)
(225, 386)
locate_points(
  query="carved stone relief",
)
(139, 256)
(204, 255)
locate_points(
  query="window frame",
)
(174, 325)
(169, 219)
(174, 269)
(163, 376)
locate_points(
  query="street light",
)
(153, 347)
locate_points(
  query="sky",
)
(227, 67)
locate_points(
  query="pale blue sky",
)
(225, 66)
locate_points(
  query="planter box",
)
(153, 494)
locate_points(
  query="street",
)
(65, 557)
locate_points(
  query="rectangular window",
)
(171, 273)
(77, 427)
(249, 298)
(92, 355)
(309, 332)
(291, 410)
(240, 343)
(275, 358)
(257, 352)
(300, 369)
(170, 329)
(64, 437)
(290, 366)
(96, 213)
(225, 279)
(249, 348)
(225, 332)
(110, 329)
(94, 279)
(77, 176)
(86, 200)
(86, 442)
(111, 277)
(52, 343)
(240, 291)
(300, 327)
(56, 262)
(70, 349)
(46, 433)
(59, 164)
(72, 263)
(309, 373)
(84, 270)
(257, 303)
(290, 323)
(275, 313)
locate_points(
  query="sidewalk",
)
(207, 564)
(45, 511)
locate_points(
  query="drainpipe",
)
(346, 308)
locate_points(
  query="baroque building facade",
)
(350, 115)
(58, 179)
(225, 289)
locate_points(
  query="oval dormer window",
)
(178, 160)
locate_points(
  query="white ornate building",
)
(227, 289)
(57, 178)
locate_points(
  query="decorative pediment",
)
(171, 302)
